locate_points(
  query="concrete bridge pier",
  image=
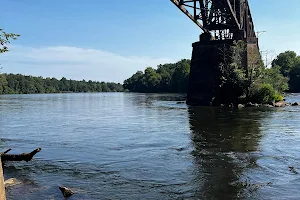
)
(205, 70)
(204, 80)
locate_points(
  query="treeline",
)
(288, 63)
(257, 83)
(21, 84)
(174, 77)
(171, 78)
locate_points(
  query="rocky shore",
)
(273, 105)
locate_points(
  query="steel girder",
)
(223, 17)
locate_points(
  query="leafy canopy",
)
(5, 39)
(253, 82)
(286, 62)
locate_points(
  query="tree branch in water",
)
(18, 157)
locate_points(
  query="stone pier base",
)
(204, 82)
(205, 72)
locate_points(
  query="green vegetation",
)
(238, 84)
(20, 84)
(265, 93)
(288, 63)
(172, 78)
(253, 83)
(5, 39)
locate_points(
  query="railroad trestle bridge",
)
(222, 22)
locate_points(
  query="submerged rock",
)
(250, 104)
(66, 191)
(11, 182)
(240, 106)
(256, 105)
(280, 104)
(268, 106)
(296, 104)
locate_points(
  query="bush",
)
(265, 94)
(278, 97)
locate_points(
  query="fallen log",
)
(18, 157)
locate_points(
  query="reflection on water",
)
(149, 146)
(224, 143)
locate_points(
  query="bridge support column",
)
(203, 89)
(204, 81)
(203, 76)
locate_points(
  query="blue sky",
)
(111, 40)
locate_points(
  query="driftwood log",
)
(18, 157)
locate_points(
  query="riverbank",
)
(257, 105)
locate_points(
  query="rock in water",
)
(66, 191)
(280, 104)
(296, 104)
(11, 182)
(240, 106)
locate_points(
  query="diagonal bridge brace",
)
(181, 5)
(226, 18)
(210, 11)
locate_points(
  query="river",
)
(149, 146)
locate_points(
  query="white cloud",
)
(74, 63)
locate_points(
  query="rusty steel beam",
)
(223, 17)
(252, 31)
(233, 14)
(225, 5)
(183, 9)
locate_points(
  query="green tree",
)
(134, 83)
(104, 87)
(5, 39)
(286, 62)
(181, 76)
(274, 77)
(294, 76)
(64, 84)
(170, 77)
(17, 83)
(3, 83)
(234, 82)
(253, 82)
(151, 80)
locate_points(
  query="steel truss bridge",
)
(224, 19)
(222, 22)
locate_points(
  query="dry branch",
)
(5, 152)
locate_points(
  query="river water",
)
(149, 146)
